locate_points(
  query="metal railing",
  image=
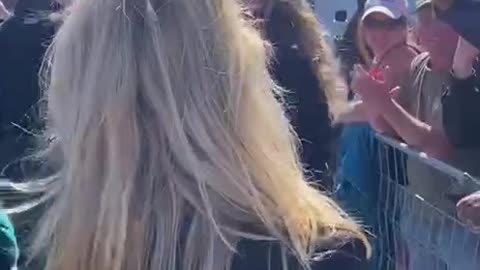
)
(409, 205)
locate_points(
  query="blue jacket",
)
(364, 189)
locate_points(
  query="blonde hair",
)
(313, 43)
(173, 142)
(363, 50)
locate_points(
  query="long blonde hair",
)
(173, 142)
(313, 43)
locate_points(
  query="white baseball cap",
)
(392, 8)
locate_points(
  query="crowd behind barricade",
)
(224, 134)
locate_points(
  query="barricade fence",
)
(406, 199)
(409, 206)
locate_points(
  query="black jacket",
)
(461, 111)
(340, 253)
(23, 42)
(306, 102)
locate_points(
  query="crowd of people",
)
(230, 134)
(413, 95)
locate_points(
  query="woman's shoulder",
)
(342, 250)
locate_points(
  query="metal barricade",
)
(409, 206)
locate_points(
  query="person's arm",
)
(415, 132)
(461, 101)
(461, 111)
(355, 113)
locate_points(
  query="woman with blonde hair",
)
(176, 154)
(304, 65)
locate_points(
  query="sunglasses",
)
(383, 24)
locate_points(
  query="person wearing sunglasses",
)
(387, 49)
(383, 31)
(416, 117)
(382, 40)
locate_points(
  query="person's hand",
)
(464, 59)
(468, 211)
(375, 97)
(372, 90)
(376, 121)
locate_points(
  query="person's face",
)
(435, 36)
(381, 32)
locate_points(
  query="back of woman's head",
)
(174, 146)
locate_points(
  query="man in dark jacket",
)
(461, 111)
(461, 102)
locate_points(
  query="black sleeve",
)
(305, 97)
(307, 108)
(22, 47)
(461, 112)
(343, 252)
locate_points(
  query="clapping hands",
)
(374, 93)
